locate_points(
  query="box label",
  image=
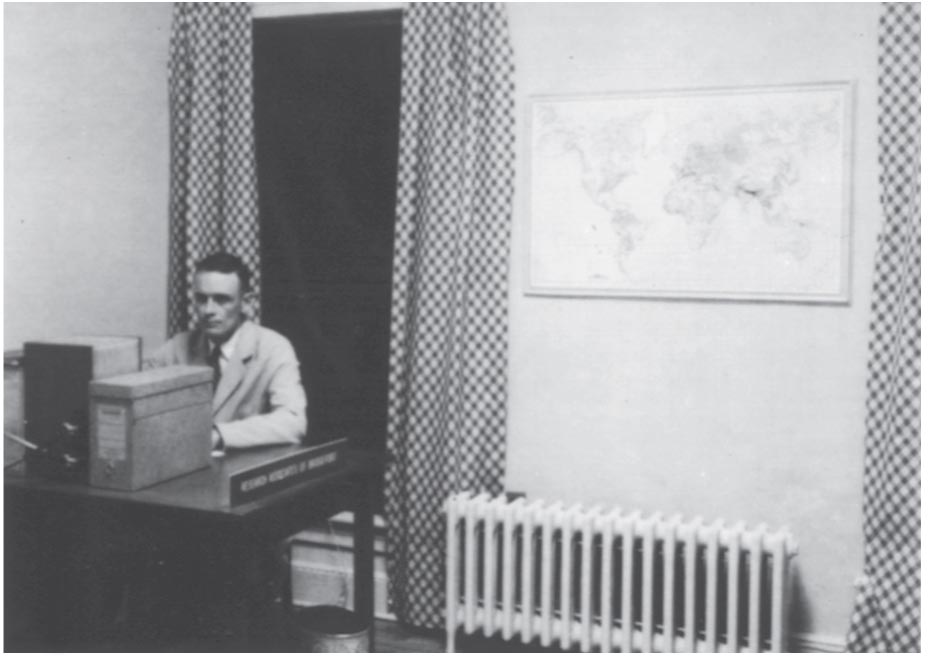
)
(112, 428)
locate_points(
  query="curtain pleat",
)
(213, 187)
(887, 612)
(449, 330)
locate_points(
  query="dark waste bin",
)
(331, 629)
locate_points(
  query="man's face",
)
(219, 301)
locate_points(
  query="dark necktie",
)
(213, 361)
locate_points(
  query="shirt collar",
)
(228, 347)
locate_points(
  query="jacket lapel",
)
(234, 372)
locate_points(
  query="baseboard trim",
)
(818, 643)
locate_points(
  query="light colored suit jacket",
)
(260, 399)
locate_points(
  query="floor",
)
(395, 638)
(391, 637)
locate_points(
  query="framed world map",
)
(722, 194)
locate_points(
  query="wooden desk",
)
(191, 509)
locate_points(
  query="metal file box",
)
(56, 377)
(150, 426)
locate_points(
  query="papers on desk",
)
(259, 475)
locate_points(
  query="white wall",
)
(86, 170)
(744, 411)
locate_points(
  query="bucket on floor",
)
(331, 629)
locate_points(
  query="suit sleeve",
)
(285, 419)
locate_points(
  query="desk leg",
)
(364, 553)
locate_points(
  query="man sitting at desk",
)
(258, 398)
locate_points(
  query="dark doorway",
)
(327, 96)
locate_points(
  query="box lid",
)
(93, 341)
(151, 381)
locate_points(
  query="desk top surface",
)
(205, 490)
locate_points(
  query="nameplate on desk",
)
(279, 473)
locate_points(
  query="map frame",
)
(725, 284)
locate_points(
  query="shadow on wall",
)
(800, 611)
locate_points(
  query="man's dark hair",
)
(226, 263)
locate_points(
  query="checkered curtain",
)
(887, 612)
(447, 405)
(214, 194)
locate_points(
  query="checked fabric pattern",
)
(887, 610)
(214, 193)
(449, 328)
